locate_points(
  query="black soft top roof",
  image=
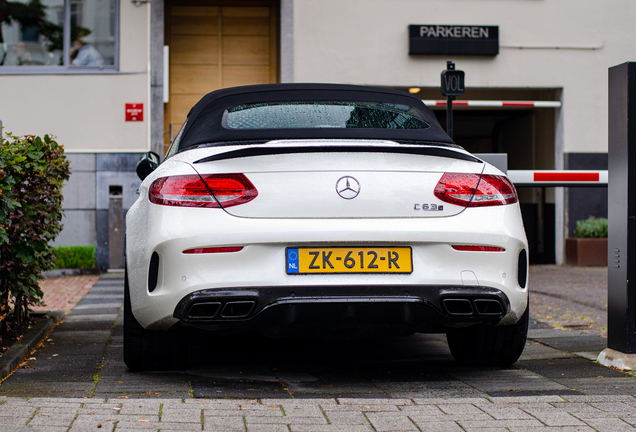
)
(205, 118)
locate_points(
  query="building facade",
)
(115, 78)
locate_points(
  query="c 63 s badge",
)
(428, 207)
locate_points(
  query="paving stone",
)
(347, 418)
(437, 426)
(33, 428)
(459, 400)
(267, 428)
(17, 411)
(226, 424)
(80, 336)
(14, 420)
(144, 395)
(50, 389)
(571, 344)
(481, 416)
(94, 423)
(569, 368)
(91, 318)
(552, 429)
(255, 419)
(428, 410)
(56, 419)
(493, 380)
(470, 425)
(390, 422)
(170, 414)
(330, 428)
(506, 413)
(558, 419)
(609, 425)
(140, 407)
(238, 390)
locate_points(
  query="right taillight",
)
(475, 190)
(207, 190)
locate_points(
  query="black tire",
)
(151, 350)
(482, 345)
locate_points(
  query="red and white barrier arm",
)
(558, 178)
(495, 104)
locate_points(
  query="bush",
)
(67, 257)
(32, 173)
(591, 228)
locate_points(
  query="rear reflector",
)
(213, 250)
(475, 190)
(478, 248)
(207, 190)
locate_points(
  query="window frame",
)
(67, 68)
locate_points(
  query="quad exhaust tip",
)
(468, 307)
(222, 310)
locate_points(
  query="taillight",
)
(475, 190)
(201, 191)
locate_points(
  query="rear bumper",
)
(354, 310)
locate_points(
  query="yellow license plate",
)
(349, 260)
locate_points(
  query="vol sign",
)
(453, 82)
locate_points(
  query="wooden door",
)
(216, 45)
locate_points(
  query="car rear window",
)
(323, 114)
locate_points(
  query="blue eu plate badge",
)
(292, 260)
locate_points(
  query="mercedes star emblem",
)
(348, 187)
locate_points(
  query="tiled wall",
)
(86, 197)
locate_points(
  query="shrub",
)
(67, 257)
(32, 173)
(591, 228)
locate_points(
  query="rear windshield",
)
(316, 115)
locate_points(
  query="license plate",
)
(349, 260)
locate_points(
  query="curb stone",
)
(22, 349)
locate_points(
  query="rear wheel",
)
(482, 345)
(146, 350)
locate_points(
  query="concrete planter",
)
(586, 251)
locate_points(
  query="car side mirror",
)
(147, 164)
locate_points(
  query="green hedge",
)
(72, 257)
(591, 228)
(32, 174)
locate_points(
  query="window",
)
(76, 35)
(311, 115)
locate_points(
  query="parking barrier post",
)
(621, 299)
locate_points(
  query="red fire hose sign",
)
(134, 112)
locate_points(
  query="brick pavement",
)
(482, 414)
(64, 292)
(78, 380)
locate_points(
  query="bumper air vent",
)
(522, 271)
(153, 272)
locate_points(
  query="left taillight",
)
(475, 190)
(207, 190)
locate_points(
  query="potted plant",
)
(589, 247)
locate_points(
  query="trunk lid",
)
(341, 184)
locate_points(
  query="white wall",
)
(566, 44)
(87, 111)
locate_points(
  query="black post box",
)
(622, 209)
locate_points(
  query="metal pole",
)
(449, 116)
(449, 105)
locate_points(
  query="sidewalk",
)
(78, 381)
(62, 293)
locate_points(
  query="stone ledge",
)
(612, 358)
